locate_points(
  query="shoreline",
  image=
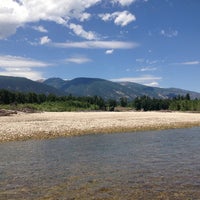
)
(46, 125)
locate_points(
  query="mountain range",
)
(90, 87)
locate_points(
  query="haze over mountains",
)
(90, 87)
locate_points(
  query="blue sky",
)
(152, 42)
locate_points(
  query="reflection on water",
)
(143, 165)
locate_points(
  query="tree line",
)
(178, 103)
(52, 102)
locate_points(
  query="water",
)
(143, 165)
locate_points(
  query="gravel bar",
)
(24, 126)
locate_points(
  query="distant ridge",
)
(26, 85)
(108, 89)
(90, 87)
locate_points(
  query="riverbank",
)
(24, 126)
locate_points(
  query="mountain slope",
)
(55, 82)
(156, 92)
(25, 85)
(108, 89)
(93, 86)
(90, 87)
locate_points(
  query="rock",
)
(4, 112)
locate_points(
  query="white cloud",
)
(15, 14)
(144, 69)
(124, 2)
(85, 16)
(153, 84)
(20, 66)
(148, 62)
(106, 16)
(169, 33)
(97, 45)
(15, 61)
(191, 63)
(7, 30)
(140, 60)
(78, 59)
(45, 40)
(124, 18)
(40, 29)
(78, 30)
(109, 51)
(120, 18)
(30, 74)
(145, 80)
(12, 16)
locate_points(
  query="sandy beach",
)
(24, 126)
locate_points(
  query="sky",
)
(151, 42)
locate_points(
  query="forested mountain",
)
(90, 87)
(57, 83)
(155, 92)
(26, 85)
(114, 90)
(93, 86)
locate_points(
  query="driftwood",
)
(7, 112)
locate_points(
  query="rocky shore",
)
(24, 126)
(7, 112)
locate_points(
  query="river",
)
(142, 165)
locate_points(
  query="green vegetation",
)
(179, 103)
(91, 87)
(40, 102)
(30, 102)
(20, 84)
(113, 90)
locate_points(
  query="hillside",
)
(108, 89)
(25, 85)
(156, 92)
(94, 86)
(90, 87)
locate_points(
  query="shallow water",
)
(142, 165)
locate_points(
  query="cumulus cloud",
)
(78, 30)
(78, 59)
(45, 40)
(120, 18)
(21, 67)
(15, 14)
(40, 29)
(97, 45)
(124, 2)
(85, 16)
(109, 51)
(124, 18)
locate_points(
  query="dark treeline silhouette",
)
(146, 103)
(64, 103)
(94, 103)
(179, 103)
